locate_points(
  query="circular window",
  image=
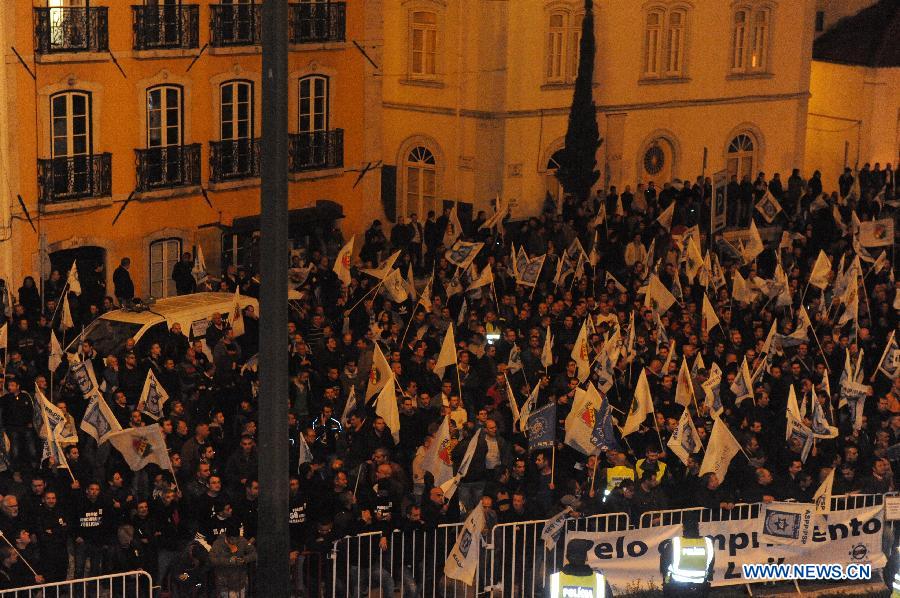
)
(654, 160)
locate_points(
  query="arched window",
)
(665, 37)
(313, 109)
(421, 180)
(164, 116)
(422, 44)
(741, 156)
(236, 99)
(750, 40)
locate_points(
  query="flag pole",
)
(16, 550)
(662, 447)
(375, 289)
(412, 316)
(594, 475)
(553, 463)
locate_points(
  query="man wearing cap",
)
(687, 562)
(577, 579)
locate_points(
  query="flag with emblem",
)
(65, 316)
(618, 285)
(449, 487)
(72, 280)
(581, 353)
(342, 262)
(603, 438)
(710, 319)
(768, 207)
(462, 564)
(454, 228)
(379, 374)
(800, 434)
(564, 267)
(720, 450)
(498, 216)
(54, 421)
(666, 216)
(547, 351)
(822, 497)
(349, 406)
(529, 274)
(742, 387)
(684, 388)
(693, 262)
(553, 529)
(383, 269)
(437, 457)
(889, 364)
(821, 271)
(199, 270)
(395, 286)
(740, 290)
(153, 396)
(82, 374)
(641, 406)
(56, 353)
(514, 363)
(528, 407)
(485, 277)
(99, 421)
(877, 233)
(511, 397)
(582, 419)
(821, 428)
(142, 446)
(684, 441)
(712, 391)
(541, 428)
(658, 297)
(787, 523)
(850, 301)
(462, 253)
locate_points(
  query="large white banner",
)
(630, 558)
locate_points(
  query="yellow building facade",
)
(476, 94)
(157, 107)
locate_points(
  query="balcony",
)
(234, 25)
(167, 167)
(233, 160)
(169, 27)
(312, 22)
(76, 177)
(58, 30)
(320, 150)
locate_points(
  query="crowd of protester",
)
(96, 516)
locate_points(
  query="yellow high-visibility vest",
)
(616, 475)
(691, 559)
(659, 472)
(563, 585)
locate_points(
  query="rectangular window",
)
(313, 109)
(164, 254)
(675, 43)
(70, 130)
(651, 44)
(555, 45)
(237, 110)
(575, 46)
(163, 116)
(423, 44)
(740, 40)
(759, 49)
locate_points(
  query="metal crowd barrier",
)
(513, 559)
(133, 584)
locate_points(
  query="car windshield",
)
(108, 335)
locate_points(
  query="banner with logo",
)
(719, 212)
(631, 557)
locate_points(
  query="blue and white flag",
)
(820, 426)
(604, 435)
(99, 421)
(788, 523)
(462, 564)
(889, 364)
(462, 253)
(531, 272)
(542, 428)
(553, 528)
(82, 373)
(685, 441)
(799, 433)
(153, 397)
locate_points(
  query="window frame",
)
(235, 85)
(69, 117)
(425, 29)
(310, 100)
(164, 107)
(424, 170)
(755, 39)
(556, 46)
(166, 270)
(740, 154)
(675, 39)
(655, 32)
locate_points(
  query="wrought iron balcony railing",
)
(233, 160)
(319, 150)
(168, 167)
(166, 27)
(317, 22)
(71, 29)
(74, 177)
(234, 25)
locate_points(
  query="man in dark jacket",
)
(122, 283)
(491, 452)
(183, 276)
(90, 529)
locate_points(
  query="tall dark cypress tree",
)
(577, 173)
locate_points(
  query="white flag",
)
(349, 407)
(65, 317)
(437, 457)
(619, 286)
(485, 278)
(684, 388)
(379, 374)
(665, 218)
(511, 397)
(447, 356)
(658, 298)
(787, 523)
(581, 353)
(582, 418)
(768, 207)
(709, 314)
(754, 245)
(199, 270)
(99, 421)
(72, 280)
(720, 451)
(386, 408)
(529, 406)
(740, 290)
(449, 487)
(56, 353)
(237, 317)
(142, 446)
(822, 497)
(384, 268)
(553, 528)
(410, 282)
(153, 396)
(742, 387)
(850, 301)
(425, 297)
(304, 454)
(641, 406)
(342, 262)
(462, 564)
(395, 286)
(547, 351)
(821, 271)
(685, 441)
(889, 364)
(454, 228)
